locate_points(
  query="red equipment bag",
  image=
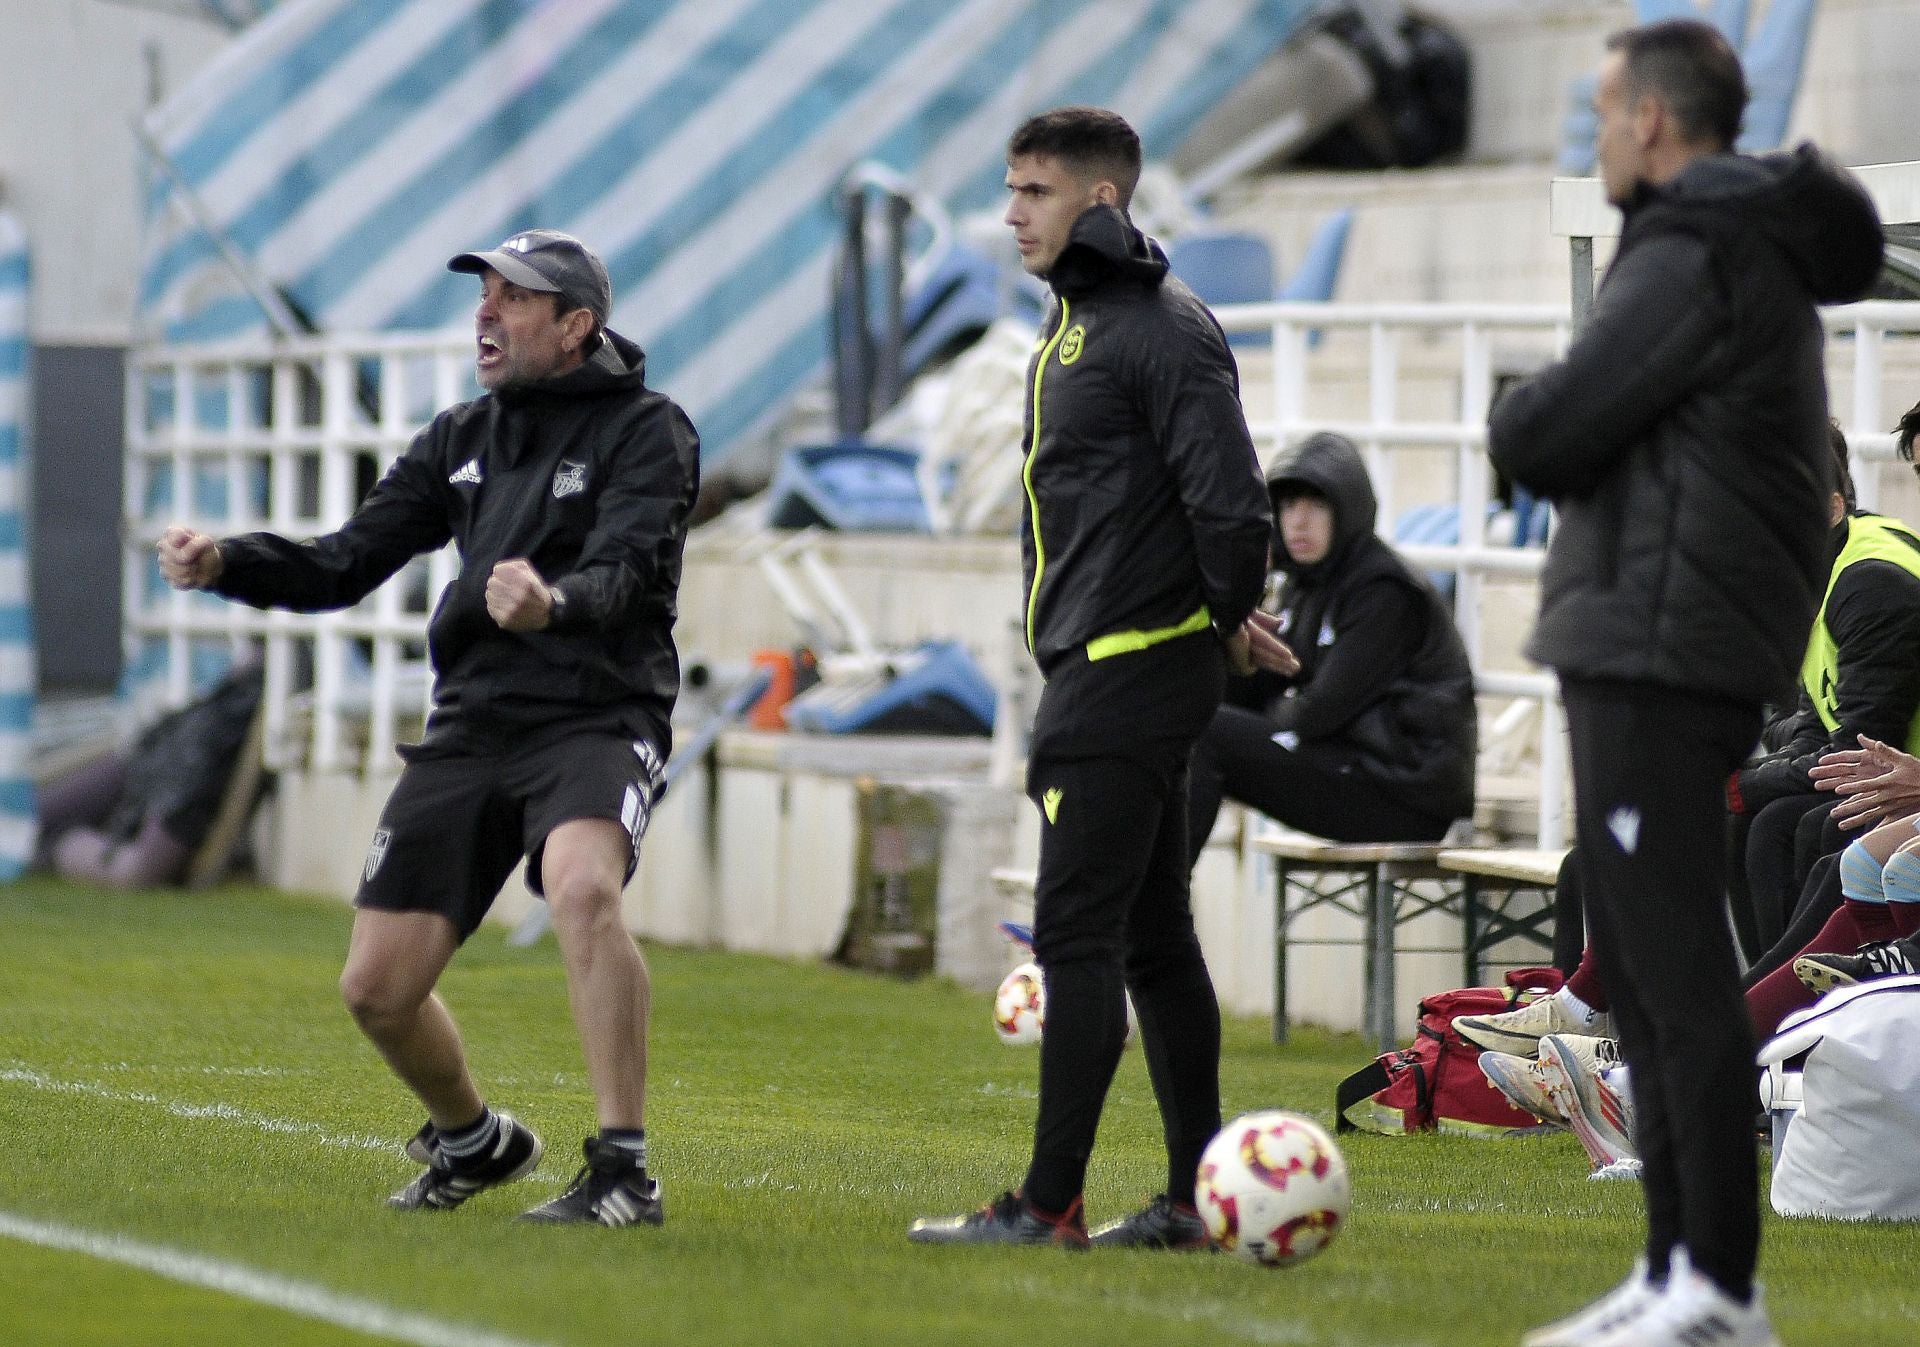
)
(1437, 1084)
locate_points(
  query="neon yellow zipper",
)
(1026, 472)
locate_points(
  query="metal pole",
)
(888, 375)
(278, 311)
(1580, 249)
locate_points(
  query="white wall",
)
(76, 75)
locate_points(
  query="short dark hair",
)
(1692, 68)
(1842, 473)
(1906, 432)
(1089, 142)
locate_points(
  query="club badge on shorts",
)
(377, 851)
(570, 480)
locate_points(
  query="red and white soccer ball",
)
(1273, 1188)
(1020, 1006)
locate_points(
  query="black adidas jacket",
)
(590, 477)
(1145, 505)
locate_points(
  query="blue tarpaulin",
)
(341, 150)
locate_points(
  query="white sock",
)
(1577, 1008)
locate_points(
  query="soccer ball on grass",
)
(1272, 1188)
(1020, 1006)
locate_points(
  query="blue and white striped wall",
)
(16, 615)
(346, 148)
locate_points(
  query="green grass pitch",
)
(176, 1074)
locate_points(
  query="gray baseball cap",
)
(546, 259)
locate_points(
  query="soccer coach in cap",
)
(566, 487)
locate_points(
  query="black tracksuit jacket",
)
(1145, 503)
(590, 477)
(1385, 685)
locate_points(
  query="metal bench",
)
(1373, 881)
(1507, 893)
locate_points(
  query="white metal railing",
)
(238, 437)
(283, 435)
(1467, 346)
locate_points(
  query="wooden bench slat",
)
(1538, 867)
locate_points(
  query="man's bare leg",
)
(393, 962)
(583, 871)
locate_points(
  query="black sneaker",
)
(445, 1186)
(1008, 1219)
(1161, 1224)
(1881, 959)
(610, 1190)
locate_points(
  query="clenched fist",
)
(189, 560)
(517, 598)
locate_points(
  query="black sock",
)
(631, 1140)
(469, 1145)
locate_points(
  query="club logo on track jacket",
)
(1146, 515)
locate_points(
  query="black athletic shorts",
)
(455, 826)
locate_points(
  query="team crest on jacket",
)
(1073, 343)
(377, 851)
(570, 480)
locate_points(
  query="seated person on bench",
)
(1373, 740)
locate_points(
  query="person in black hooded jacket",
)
(1683, 440)
(1373, 740)
(566, 487)
(1144, 546)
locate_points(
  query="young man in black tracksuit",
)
(566, 487)
(1373, 739)
(1683, 442)
(1144, 544)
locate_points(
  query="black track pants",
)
(1649, 767)
(1304, 787)
(1108, 769)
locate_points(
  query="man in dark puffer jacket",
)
(1683, 439)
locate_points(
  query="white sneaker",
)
(1619, 1169)
(1616, 1308)
(1583, 1076)
(1519, 1079)
(1520, 1031)
(1693, 1312)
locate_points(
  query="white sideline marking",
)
(265, 1288)
(17, 1075)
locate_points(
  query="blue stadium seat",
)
(1773, 57)
(957, 302)
(1319, 269)
(852, 486)
(1226, 267)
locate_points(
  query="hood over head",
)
(1816, 212)
(1102, 244)
(1331, 465)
